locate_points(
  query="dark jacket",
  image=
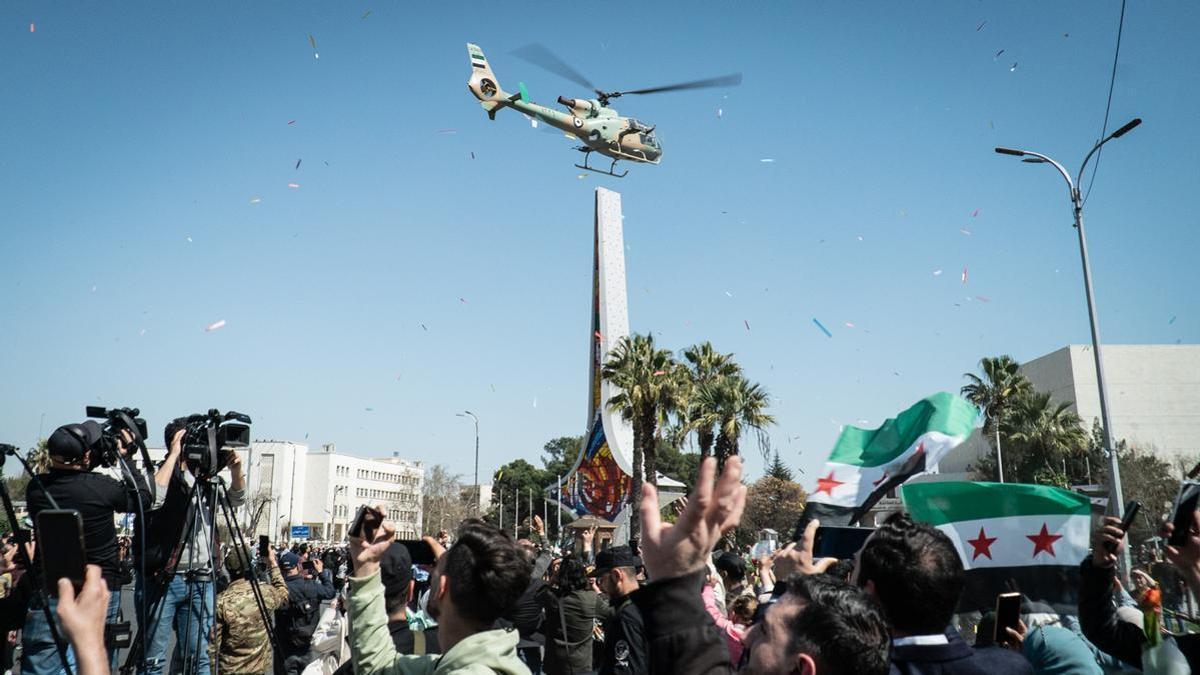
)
(296, 621)
(528, 615)
(1098, 618)
(680, 635)
(580, 610)
(624, 641)
(97, 497)
(956, 657)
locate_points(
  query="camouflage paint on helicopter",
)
(599, 127)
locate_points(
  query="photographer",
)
(179, 539)
(73, 450)
(296, 620)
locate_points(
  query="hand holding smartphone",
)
(1008, 613)
(1131, 511)
(366, 522)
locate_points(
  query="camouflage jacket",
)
(240, 643)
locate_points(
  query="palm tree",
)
(1046, 431)
(997, 392)
(648, 380)
(732, 404)
(706, 366)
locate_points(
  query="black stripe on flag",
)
(1054, 585)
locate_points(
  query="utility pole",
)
(468, 413)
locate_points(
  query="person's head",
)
(731, 567)
(842, 569)
(289, 564)
(742, 609)
(914, 572)
(70, 446)
(572, 576)
(616, 571)
(237, 560)
(482, 575)
(821, 626)
(395, 571)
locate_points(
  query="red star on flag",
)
(1043, 541)
(982, 545)
(827, 484)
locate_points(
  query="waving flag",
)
(867, 463)
(1010, 537)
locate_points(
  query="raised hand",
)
(683, 548)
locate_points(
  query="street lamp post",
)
(1077, 209)
(468, 413)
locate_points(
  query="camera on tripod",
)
(116, 419)
(209, 439)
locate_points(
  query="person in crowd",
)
(395, 570)
(178, 539)
(572, 610)
(914, 572)
(732, 570)
(624, 636)
(735, 623)
(818, 625)
(528, 614)
(82, 617)
(473, 582)
(240, 640)
(296, 620)
(1052, 650)
(1097, 606)
(71, 484)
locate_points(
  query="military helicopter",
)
(591, 120)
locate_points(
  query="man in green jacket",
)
(481, 575)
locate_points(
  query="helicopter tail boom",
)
(484, 84)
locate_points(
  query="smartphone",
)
(61, 548)
(839, 542)
(366, 521)
(420, 551)
(1008, 613)
(1185, 506)
(310, 566)
(1131, 510)
(264, 546)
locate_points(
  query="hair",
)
(917, 573)
(485, 571)
(841, 569)
(572, 576)
(839, 626)
(742, 609)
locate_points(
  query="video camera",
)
(116, 419)
(208, 439)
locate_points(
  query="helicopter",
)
(591, 120)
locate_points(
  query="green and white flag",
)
(1010, 537)
(867, 463)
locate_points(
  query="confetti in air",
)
(32, 28)
(718, 113)
(849, 324)
(294, 186)
(1171, 321)
(747, 324)
(729, 294)
(423, 327)
(366, 14)
(964, 275)
(997, 54)
(447, 131)
(292, 123)
(313, 41)
(976, 214)
(535, 401)
(982, 298)
(463, 300)
(581, 176)
(820, 325)
(255, 200)
(214, 326)
(860, 237)
(964, 231)
(298, 162)
(937, 273)
(767, 160)
(189, 238)
(1014, 67)
(980, 26)
(142, 331)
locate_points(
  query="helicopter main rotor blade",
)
(723, 81)
(537, 54)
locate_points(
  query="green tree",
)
(1045, 435)
(771, 503)
(705, 367)
(516, 483)
(649, 385)
(733, 404)
(675, 463)
(777, 469)
(558, 456)
(997, 392)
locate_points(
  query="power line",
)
(1108, 106)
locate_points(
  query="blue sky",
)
(130, 128)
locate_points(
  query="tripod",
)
(208, 495)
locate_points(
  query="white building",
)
(288, 484)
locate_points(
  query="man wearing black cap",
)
(70, 484)
(395, 570)
(624, 637)
(297, 619)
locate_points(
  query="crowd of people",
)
(677, 600)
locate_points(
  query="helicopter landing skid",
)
(612, 170)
